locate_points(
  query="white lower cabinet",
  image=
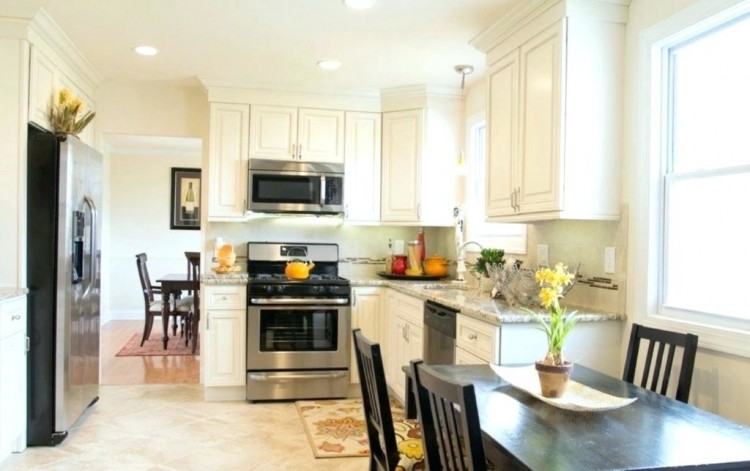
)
(404, 342)
(477, 338)
(224, 319)
(367, 310)
(12, 376)
(465, 358)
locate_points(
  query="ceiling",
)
(278, 42)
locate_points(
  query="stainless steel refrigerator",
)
(64, 189)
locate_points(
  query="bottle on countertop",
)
(422, 250)
(389, 258)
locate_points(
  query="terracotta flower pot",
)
(553, 379)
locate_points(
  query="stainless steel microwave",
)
(277, 186)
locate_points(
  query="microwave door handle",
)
(322, 190)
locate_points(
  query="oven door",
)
(295, 192)
(297, 336)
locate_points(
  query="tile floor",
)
(170, 427)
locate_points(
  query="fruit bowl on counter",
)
(405, 277)
(432, 269)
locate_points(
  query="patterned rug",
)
(336, 429)
(153, 346)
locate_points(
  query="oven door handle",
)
(300, 301)
(295, 376)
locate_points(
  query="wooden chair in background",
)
(661, 369)
(153, 307)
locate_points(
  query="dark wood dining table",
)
(655, 432)
(172, 285)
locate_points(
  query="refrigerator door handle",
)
(92, 234)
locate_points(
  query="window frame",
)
(488, 234)
(716, 331)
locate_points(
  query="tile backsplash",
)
(570, 242)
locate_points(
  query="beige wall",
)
(720, 381)
(14, 55)
(150, 109)
(139, 210)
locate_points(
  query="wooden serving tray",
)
(392, 276)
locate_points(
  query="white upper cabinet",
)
(554, 97)
(502, 143)
(273, 132)
(539, 170)
(41, 88)
(303, 134)
(227, 161)
(46, 79)
(421, 149)
(362, 179)
(321, 135)
(402, 160)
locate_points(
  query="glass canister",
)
(414, 258)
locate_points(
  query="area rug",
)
(336, 429)
(153, 346)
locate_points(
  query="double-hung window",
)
(509, 237)
(704, 145)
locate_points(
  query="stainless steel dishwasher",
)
(439, 334)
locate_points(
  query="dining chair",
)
(193, 266)
(386, 452)
(449, 418)
(662, 339)
(193, 273)
(153, 307)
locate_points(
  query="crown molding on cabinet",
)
(350, 100)
(55, 38)
(156, 146)
(523, 13)
(388, 99)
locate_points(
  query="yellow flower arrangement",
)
(64, 113)
(552, 283)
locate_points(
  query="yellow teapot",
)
(298, 270)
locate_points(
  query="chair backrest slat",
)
(380, 432)
(668, 370)
(689, 344)
(647, 365)
(657, 366)
(448, 417)
(141, 262)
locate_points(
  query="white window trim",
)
(733, 337)
(511, 243)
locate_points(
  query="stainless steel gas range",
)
(297, 331)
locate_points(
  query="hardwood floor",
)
(182, 369)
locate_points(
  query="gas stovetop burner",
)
(276, 278)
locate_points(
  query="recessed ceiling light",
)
(359, 4)
(329, 64)
(146, 50)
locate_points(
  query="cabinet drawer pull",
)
(15, 317)
(472, 336)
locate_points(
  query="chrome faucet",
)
(461, 258)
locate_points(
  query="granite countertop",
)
(7, 294)
(455, 295)
(239, 278)
(448, 293)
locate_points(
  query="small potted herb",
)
(553, 369)
(488, 258)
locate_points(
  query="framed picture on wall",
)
(186, 199)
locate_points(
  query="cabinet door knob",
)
(15, 317)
